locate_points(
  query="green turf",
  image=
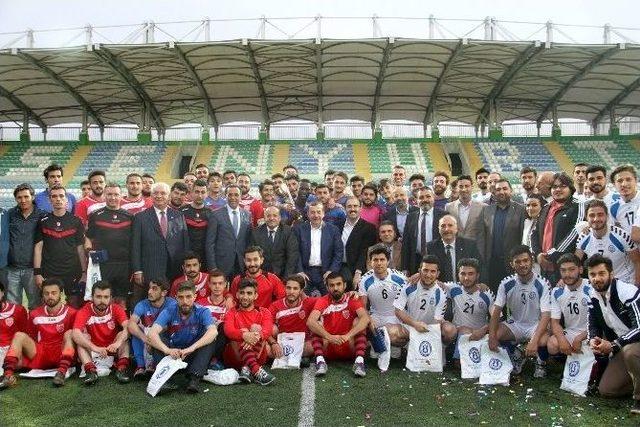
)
(397, 397)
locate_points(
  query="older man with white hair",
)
(160, 239)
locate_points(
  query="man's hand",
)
(565, 347)
(326, 273)
(356, 279)
(483, 287)
(102, 351)
(276, 349)
(476, 335)
(532, 348)
(138, 279)
(603, 347)
(251, 338)
(38, 279)
(493, 343)
(88, 246)
(414, 278)
(113, 347)
(544, 262)
(335, 339)
(186, 352)
(421, 327)
(174, 353)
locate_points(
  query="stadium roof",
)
(319, 80)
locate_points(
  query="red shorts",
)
(47, 357)
(231, 359)
(339, 352)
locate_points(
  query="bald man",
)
(278, 243)
(543, 185)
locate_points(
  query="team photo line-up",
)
(208, 273)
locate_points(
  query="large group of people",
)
(208, 272)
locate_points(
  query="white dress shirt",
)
(158, 214)
(315, 257)
(346, 232)
(463, 213)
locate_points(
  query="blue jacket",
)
(331, 247)
(4, 237)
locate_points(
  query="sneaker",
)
(168, 386)
(216, 366)
(245, 375)
(263, 377)
(193, 386)
(321, 368)
(541, 370)
(140, 374)
(305, 362)
(58, 379)
(122, 376)
(359, 370)
(517, 360)
(8, 381)
(635, 409)
(91, 378)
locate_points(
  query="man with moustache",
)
(398, 213)
(370, 210)
(357, 236)
(482, 181)
(624, 212)
(53, 177)
(178, 195)
(269, 286)
(100, 328)
(278, 243)
(94, 201)
(147, 183)
(192, 269)
(465, 210)
(580, 179)
(186, 332)
(133, 202)
(202, 171)
(387, 237)
(47, 342)
(440, 182)
(597, 184)
(528, 176)
(543, 185)
(197, 216)
(340, 180)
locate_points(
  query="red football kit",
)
(218, 311)
(337, 318)
(13, 318)
(47, 330)
(236, 322)
(201, 283)
(270, 288)
(134, 206)
(102, 328)
(292, 319)
(86, 207)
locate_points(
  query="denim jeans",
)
(19, 280)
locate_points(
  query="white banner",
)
(292, 345)
(46, 373)
(577, 371)
(165, 370)
(470, 356)
(425, 350)
(496, 366)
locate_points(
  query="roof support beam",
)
(62, 83)
(319, 89)
(525, 57)
(23, 107)
(256, 75)
(611, 105)
(125, 74)
(553, 103)
(443, 75)
(196, 80)
(386, 53)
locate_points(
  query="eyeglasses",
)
(558, 186)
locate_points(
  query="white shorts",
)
(385, 320)
(522, 331)
(571, 334)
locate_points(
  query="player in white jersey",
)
(379, 288)
(623, 211)
(597, 185)
(569, 308)
(526, 297)
(423, 303)
(610, 241)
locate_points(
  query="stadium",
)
(160, 105)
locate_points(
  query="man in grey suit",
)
(159, 240)
(228, 234)
(278, 243)
(465, 210)
(501, 226)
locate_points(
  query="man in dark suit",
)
(278, 243)
(450, 249)
(387, 236)
(159, 240)
(357, 236)
(501, 227)
(555, 233)
(320, 248)
(228, 235)
(399, 211)
(420, 229)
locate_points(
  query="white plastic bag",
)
(223, 377)
(292, 346)
(470, 356)
(3, 353)
(577, 371)
(425, 350)
(384, 358)
(103, 365)
(496, 366)
(93, 275)
(165, 370)
(46, 373)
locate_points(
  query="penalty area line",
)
(307, 398)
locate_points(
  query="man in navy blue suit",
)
(160, 239)
(321, 249)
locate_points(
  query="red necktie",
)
(163, 224)
(547, 232)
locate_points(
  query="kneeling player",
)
(218, 302)
(338, 322)
(569, 306)
(101, 328)
(526, 296)
(423, 303)
(249, 329)
(49, 344)
(144, 314)
(13, 318)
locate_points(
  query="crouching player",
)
(185, 331)
(423, 303)
(144, 315)
(526, 297)
(218, 302)
(338, 322)
(13, 318)
(290, 315)
(48, 344)
(569, 306)
(100, 328)
(249, 328)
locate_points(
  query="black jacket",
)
(565, 234)
(464, 248)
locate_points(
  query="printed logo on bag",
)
(425, 348)
(162, 372)
(287, 349)
(474, 354)
(574, 368)
(495, 364)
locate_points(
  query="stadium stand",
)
(609, 153)
(508, 157)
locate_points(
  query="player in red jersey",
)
(101, 327)
(290, 314)
(13, 318)
(191, 267)
(48, 344)
(95, 200)
(133, 202)
(338, 323)
(249, 329)
(270, 287)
